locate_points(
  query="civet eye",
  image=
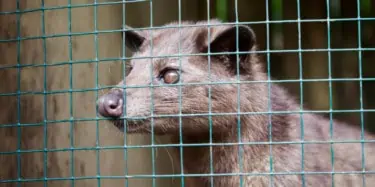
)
(170, 76)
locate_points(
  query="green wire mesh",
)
(273, 16)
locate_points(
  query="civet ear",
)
(133, 39)
(225, 42)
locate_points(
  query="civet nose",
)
(111, 104)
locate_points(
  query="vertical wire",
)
(45, 143)
(70, 91)
(301, 93)
(19, 135)
(180, 107)
(209, 92)
(97, 143)
(330, 90)
(123, 63)
(240, 146)
(152, 95)
(361, 89)
(269, 89)
(180, 96)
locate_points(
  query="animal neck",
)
(223, 151)
(225, 138)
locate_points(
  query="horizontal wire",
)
(187, 175)
(45, 8)
(191, 115)
(187, 26)
(187, 55)
(183, 84)
(114, 147)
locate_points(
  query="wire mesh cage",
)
(276, 93)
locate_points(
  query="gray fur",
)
(254, 127)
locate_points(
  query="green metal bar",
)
(222, 10)
(366, 7)
(277, 30)
(277, 9)
(335, 5)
